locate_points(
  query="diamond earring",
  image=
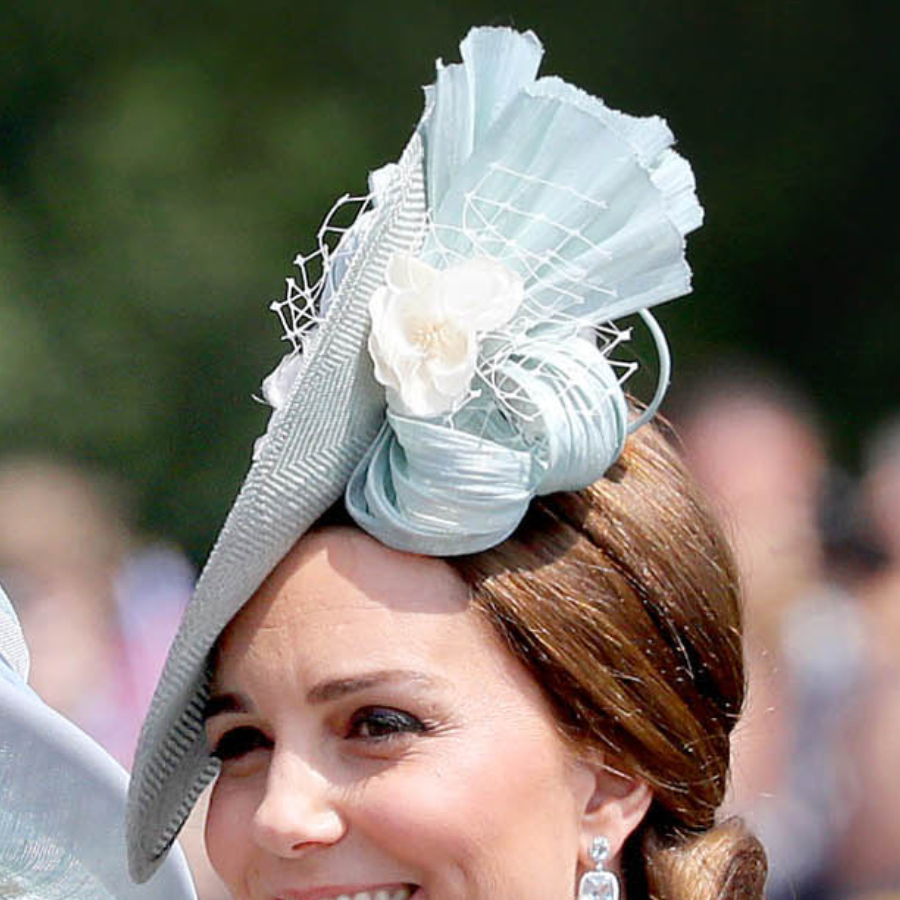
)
(599, 884)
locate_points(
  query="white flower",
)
(275, 389)
(426, 323)
(277, 384)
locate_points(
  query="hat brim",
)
(62, 803)
(332, 414)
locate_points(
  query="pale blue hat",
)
(62, 800)
(454, 357)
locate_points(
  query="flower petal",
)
(277, 384)
(480, 292)
(420, 396)
(453, 380)
(407, 273)
(384, 372)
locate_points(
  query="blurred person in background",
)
(870, 852)
(756, 447)
(98, 605)
(98, 609)
(881, 492)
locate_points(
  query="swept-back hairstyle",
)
(622, 601)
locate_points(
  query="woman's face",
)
(378, 742)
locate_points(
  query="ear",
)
(614, 804)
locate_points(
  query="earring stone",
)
(599, 884)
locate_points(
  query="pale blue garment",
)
(62, 800)
(13, 649)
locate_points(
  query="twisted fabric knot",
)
(553, 418)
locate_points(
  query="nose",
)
(298, 810)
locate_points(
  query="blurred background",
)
(161, 165)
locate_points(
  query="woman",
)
(513, 670)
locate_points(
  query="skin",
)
(376, 734)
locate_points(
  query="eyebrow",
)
(224, 703)
(325, 691)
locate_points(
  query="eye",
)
(239, 742)
(381, 723)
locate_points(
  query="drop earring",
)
(599, 884)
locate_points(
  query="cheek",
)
(227, 827)
(478, 822)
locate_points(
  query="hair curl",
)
(622, 601)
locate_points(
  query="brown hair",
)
(622, 601)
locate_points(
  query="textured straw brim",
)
(331, 416)
(62, 802)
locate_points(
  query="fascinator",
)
(62, 800)
(453, 355)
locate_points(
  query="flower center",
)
(431, 339)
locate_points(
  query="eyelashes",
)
(374, 726)
(382, 723)
(239, 742)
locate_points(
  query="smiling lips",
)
(390, 893)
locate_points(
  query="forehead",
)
(341, 593)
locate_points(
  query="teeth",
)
(403, 893)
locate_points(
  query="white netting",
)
(306, 295)
(544, 248)
(535, 230)
(539, 228)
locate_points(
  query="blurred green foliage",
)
(161, 164)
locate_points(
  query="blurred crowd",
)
(816, 753)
